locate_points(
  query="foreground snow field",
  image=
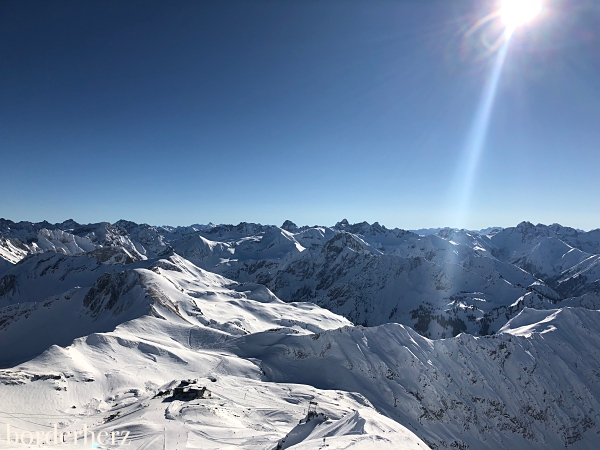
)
(97, 335)
(109, 381)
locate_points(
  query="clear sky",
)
(227, 111)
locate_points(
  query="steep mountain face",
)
(421, 282)
(440, 284)
(533, 385)
(565, 258)
(67, 238)
(11, 251)
(47, 274)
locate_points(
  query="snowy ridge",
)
(168, 322)
(99, 297)
(359, 429)
(534, 385)
(440, 284)
(12, 251)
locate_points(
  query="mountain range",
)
(439, 284)
(443, 339)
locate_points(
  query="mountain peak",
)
(288, 225)
(525, 225)
(68, 224)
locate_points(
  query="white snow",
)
(96, 321)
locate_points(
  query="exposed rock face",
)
(290, 226)
(109, 293)
(8, 285)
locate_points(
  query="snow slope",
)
(53, 300)
(168, 321)
(534, 385)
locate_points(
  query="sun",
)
(519, 12)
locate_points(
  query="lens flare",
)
(518, 12)
(513, 13)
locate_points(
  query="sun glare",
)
(519, 12)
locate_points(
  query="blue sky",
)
(190, 112)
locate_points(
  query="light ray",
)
(478, 132)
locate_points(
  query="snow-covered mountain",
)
(440, 284)
(533, 385)
(173, 356)
(55, 299)
(131, 333)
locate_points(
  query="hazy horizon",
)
(299, 224)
